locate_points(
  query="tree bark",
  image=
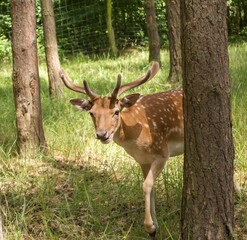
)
(26, 85)
(110, 30)
(207, 203)
(51, 49)
(174, 36)
(153, 33)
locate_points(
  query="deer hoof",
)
(153, 235)
(151, 229)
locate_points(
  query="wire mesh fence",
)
(81, 25)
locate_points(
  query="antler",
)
(149, 75)
(116, 89)
(68, 83)
(89, 92)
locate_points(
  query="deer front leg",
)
(151, 172)
(145, 170)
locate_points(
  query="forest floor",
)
(86, 190)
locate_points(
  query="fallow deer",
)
(149, 127)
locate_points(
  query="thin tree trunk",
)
(26, 85)
(240, 20)
(110, 30)
(51, 49)
(153, 33)
(174, 35)
(244, 5)
(207, 203)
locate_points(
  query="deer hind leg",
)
(151, 172)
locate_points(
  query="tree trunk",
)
(153, 34)
(239, 14)
(244, 5)
(110, 30)
(207, 203)
(229, 25)
(26, 85)
(51, 49)
(174, 36)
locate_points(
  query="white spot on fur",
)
(154, 124)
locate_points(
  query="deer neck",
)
(129, 128)
(120, 135)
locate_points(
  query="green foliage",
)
(5, 26)
(5, 30)
(5, 47)
(243, 33)
(81, 25)
(5, 20)
(87, 190)
(130, 23)
(237, 17)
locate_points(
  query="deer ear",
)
(129, 100)
(81, 104)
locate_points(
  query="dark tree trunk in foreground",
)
(174, 35)
(25, 77)
(51, 49)
(207, 203)
(110, 30)
(153, 33)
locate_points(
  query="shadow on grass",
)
(61, 198)
(68, 199)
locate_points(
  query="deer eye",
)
(91, 114)
(116, 113)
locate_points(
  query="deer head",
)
(106, 111)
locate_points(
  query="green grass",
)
(86, 190)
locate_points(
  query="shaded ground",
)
(69, 199)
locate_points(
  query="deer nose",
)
(101, 134)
